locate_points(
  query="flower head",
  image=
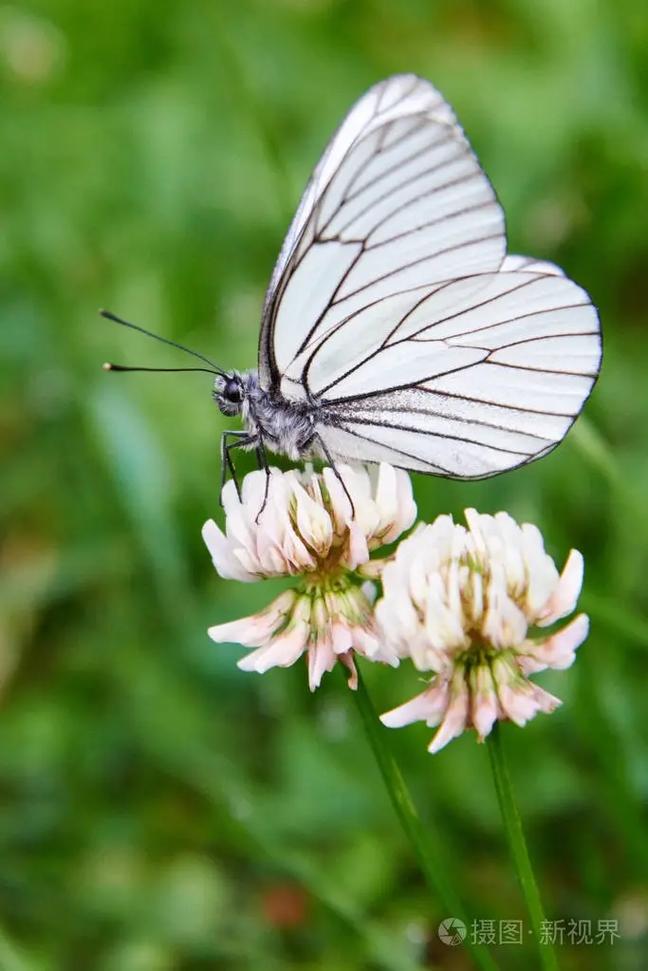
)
(459, 602)
(320, 527)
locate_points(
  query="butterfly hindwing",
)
(536, 350)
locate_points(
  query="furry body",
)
(285, 427)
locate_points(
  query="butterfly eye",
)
(232, 391)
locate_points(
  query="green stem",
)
(423, 840)
(518, 847)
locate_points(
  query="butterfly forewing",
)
(418, 222)
(392, 106)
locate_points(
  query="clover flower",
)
(309, 529)
(459, 602)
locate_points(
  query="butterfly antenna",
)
(110, 366)
(214, 368)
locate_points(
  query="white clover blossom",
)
(309, 529)
(459, 602)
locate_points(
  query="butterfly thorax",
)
(285, 427)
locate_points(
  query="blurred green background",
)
(159, 809)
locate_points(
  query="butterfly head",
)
(229, 393)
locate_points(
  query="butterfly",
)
(395, 326)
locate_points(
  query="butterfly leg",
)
(262, 459)
(240, 439)
(331, 462)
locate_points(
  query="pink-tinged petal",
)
(271, 546)
(273, 561)
(427, 707)
(253, 489)
(282, 651)
(237, 518)
(357, 549)
(358, 482)
(258, 628)
(370, 646)
(484, 707)
(361, 486)
(443, 625)
(223, 557)
(321, 658)
(314, 490)
(456, 716)
(229, 497)
(373, 569)
(476, 523)
(249, 631)
(504, 623)
(370, 591)
(528, 662)
(561, 647)
(405, 504)
(313, 522)
(521, 700)
(348, 661)
(297, 557)
(350, 486)
(340, 505)
(542, 575)
(341, 640)
(565, 596)
(396, 507)
(248, 561)
(275, 519)
(544, 700)
(557, 651)
(387, 491)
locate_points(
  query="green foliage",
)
(161, 810)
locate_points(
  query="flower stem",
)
(518, 847)
(423, 840)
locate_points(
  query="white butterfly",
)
(395, 327)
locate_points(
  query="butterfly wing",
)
(397, 201)
(394, 306)
(531, 265)
(475, 376)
